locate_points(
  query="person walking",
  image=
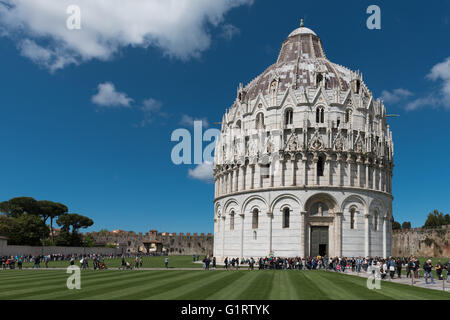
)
(166, 262)
(428, 268)
(409, 268)
(439, 268)
(399, 268)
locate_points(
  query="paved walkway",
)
(439, 284)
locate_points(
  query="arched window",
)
(352, 218)
(358, 86)
(370, 122)
(255, 219)
(238, 124)
(338, 122)
(320, 115)
(288, 117)
(260, 121)
(319, 79)
(348, 114)
(286, 216)
(320, 166)
(255, 235)
(232, 220)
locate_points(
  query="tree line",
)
(24, 221)
(434, 219)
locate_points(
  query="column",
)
(338, 234)
(374, 176)
(236, 178)
(270, 217)
(305, 170)
(223, 187)
(380, 174)
(339, 159)
(316, 176)
(366, 185)
(223, 237)
(329, 170)
(302, 233)
(260, 180)
(242, 236)
(216, 187)
(282, 173)
(349, 170)
(252, 178)
(242, 174)
(384, 237)
(358, 172)
(293, 172)
(366, 235)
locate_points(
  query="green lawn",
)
(199, 285)
(149, 262)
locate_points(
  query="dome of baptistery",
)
(303, 166)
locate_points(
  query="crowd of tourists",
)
(391, 267)
(43, 261)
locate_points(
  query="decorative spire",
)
(301, 23)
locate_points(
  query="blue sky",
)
(109, 157)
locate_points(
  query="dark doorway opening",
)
(319, 241)
(322, 250)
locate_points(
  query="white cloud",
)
(180, 28)
(396, 95)
(229, 31)
(203, 172)
(151, 109)
(441, 97)
(188, 121)
(108, 97)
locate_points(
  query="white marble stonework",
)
(305, 145)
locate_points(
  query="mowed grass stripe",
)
(233, 290)
(285, 289)
(260, 287)
(57, 289)
(358, 288)
(207, 288)
(152, 280)
(305, 287)
(173, 291)
(115, 285)
(329, 287)
(26, 279)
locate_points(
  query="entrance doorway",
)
(319, 241)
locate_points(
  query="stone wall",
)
(8, 250)
(171, 243)
(422, 242)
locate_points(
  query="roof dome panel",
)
(302, 30)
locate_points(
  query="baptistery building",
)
(304, 162)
